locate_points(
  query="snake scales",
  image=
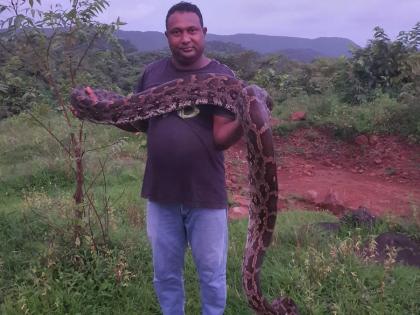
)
(251, 104)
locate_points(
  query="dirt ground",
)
(317, 171)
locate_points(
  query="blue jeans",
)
(170, 229)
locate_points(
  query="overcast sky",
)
(354, 19)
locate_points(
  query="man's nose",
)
(185, 37)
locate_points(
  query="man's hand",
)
(82, 98)
(91, 94)
(226, 131)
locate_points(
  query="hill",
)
(302, 49)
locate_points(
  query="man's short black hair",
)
(184, 7)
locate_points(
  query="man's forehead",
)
(184, 19)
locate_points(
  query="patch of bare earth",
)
(317, 171)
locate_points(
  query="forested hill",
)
(323, 46)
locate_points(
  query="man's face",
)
(185, 37)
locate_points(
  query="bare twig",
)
(90, 229)
(50, 132)
(92, 204)
(86, 51)
(102, 147)
(49, 46)
(106, 199)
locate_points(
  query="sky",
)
(353, 19)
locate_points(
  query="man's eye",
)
(192, 30)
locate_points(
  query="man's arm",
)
(226, 131)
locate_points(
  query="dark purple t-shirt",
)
(183, 165)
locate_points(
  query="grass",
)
(41, 272)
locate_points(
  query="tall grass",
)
(322, 272)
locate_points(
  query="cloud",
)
(303, 18)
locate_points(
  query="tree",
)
(53, 46)
(381, 65)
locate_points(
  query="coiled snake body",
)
(251, 104)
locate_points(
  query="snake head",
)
(81, 100)
(83, 95)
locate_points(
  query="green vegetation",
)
(377, 90)
(43, 273)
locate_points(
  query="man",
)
(184, 179)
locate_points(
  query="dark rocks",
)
(353, 219)
(407, 251)
(359, 218)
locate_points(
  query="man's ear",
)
(204, 30)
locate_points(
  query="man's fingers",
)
(89, 91)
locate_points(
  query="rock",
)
(358, 218)
(361, 140)
(327, 162)
(238, 212)
(378, 161)
(296, 116)
(332, 198)
(407, 250)
(311, 196)
(274, 122)
(308, 172)
(241, 200)
(373, 139)
(333, 203)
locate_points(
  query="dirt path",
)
(316, 171)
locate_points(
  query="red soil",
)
(316, 171)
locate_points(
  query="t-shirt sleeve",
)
(219, 111)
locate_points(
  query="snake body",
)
(252, 105)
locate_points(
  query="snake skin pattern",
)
(252, 105)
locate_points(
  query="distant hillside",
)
(325, 46)
(302, 55)
(144, 41)
(302, 49)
